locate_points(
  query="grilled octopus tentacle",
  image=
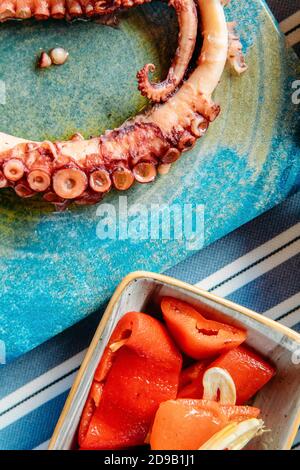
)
(187, 19)
(84, 170)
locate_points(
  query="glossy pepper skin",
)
(190, 380)
(239, 413)
(185, 424)
(139, 369)
(249, 371)
(196, 336)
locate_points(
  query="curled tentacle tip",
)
(143, 78)
(155, 92)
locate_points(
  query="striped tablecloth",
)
(257, 266)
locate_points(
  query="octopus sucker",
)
(13, 169)
(100, 181)
(57, 9)
(83, 171)
(23, 9)
(74, 8)
(69, 183)
(122, 178)
(235, 50)
(144, 172)
(39, 180)
(7, 9)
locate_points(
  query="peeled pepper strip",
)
(195, 335)
(185, 424)
(249, 371)
(136, 378)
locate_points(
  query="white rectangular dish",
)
(279, 400)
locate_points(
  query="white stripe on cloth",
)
(218, 277)
(250, 258)
(292, 319)
(258, 270)
(26, 407)
(290, 23)
(287, 305)
(11, 401)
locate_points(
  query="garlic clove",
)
(219, 386)
(59, 55)
(44, 61)
(235, 436)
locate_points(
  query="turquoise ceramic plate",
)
(54, 269)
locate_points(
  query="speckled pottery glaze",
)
(54, 269)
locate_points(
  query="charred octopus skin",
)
(85, 170)
(187, 19)
(70, 9)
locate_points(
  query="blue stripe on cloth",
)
(282, 9)
(48, 355)
(270, 289)
(34, 428)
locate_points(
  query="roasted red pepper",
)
(195, 335)
(249, 371)
(190, 380)
(139, 369)
(185, 424)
